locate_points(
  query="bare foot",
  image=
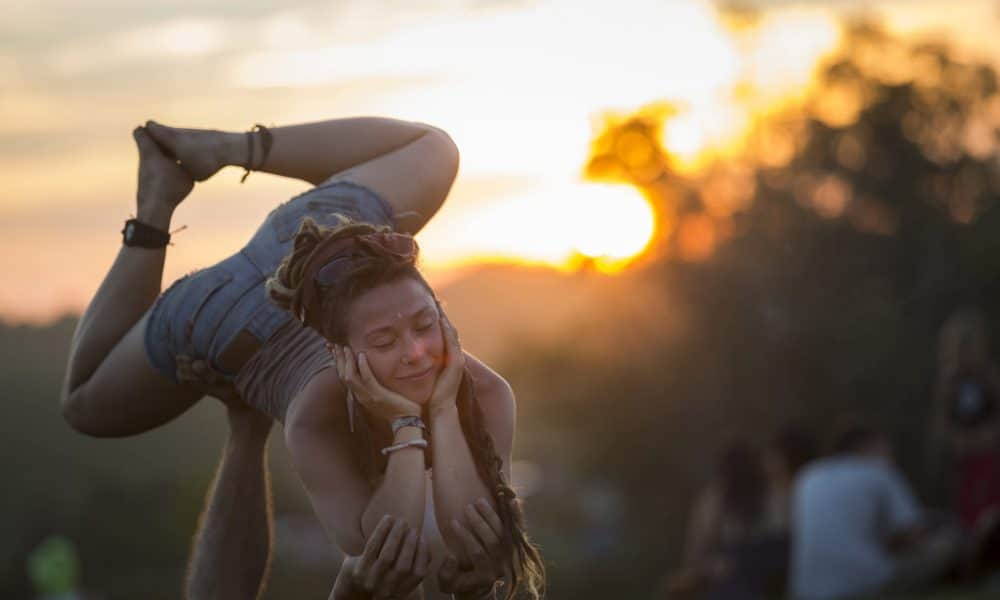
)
(162, 185)
(202, 152)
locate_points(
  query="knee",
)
(442, 152)
(73, 404)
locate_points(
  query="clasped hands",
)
(395, 560)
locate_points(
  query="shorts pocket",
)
(206, 312)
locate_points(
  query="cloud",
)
(178, 39)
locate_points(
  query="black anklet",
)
(137, 233)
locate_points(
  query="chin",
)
(419, 394)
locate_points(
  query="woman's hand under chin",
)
(382, 402)
(446, 387)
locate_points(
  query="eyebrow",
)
(389, 328)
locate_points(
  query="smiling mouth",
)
(420, 374)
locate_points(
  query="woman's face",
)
(397, 327)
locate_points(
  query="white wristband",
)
(422, 444)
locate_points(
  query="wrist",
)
(444, 409)
(155, 214)
(407, 434)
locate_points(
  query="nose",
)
(414, 350)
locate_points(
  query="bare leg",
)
(110, 388)
(232, 547)
(411, 165)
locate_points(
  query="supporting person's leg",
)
(411, 165)
(110, 388)
(232, 547)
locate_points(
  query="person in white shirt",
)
(857, 528)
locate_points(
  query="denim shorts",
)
(202, 312)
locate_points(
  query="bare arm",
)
(456, 482)
(402, 492)
(317, 434)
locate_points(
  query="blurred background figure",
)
(966, 424)
(736, 543)
(54, 569)
(858, 529)
(791, 449)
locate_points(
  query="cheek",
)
(435, 342)
(381, 364)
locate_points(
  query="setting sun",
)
(521, 87)
(610, 224)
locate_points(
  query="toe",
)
(142, 139)
(161, 133)
(162, 136)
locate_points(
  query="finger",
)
(338, 361)
(404, 562)
(474, 550)
(422, 562)
(374, 544)
(403, 569)
(486, 511)
(367, 376)
(387, 557)
(447, 573)
(365, 370)
(489, 540)
(450, 335)
(350, 367)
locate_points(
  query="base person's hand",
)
(392, 565)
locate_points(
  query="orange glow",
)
(696, 237)
(555, 225)
(525, 133)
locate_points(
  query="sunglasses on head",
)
(401, 247)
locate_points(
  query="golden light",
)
(612, 224)
(517, 85)
(684, 136)
(554, 225)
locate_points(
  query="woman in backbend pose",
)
(323, 322)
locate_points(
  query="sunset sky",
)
(520, 85)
